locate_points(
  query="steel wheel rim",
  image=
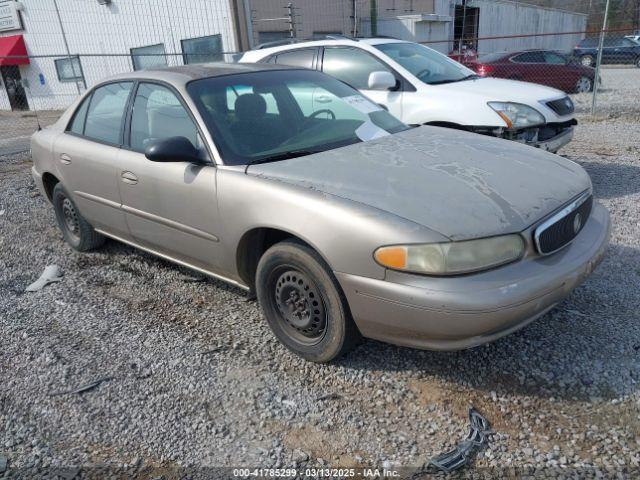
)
(583, 85)
(70, 218)
(299, 306)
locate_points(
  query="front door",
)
(170, 207)
(13, 85)
(353, 66)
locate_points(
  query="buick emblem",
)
(577, 223)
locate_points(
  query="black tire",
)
(587, 60)
(76, 231)
(637, 62)
(303, 303)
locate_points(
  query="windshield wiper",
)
(280, 156)
(468, 77)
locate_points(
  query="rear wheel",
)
(587, 60)
(76, 231)
(303, 303)
(583, 85)
(638, 62)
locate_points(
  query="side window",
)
(157, 113)
(554, 58)
(77, 124)
(351, 65)
(106, 112)
(297, 58)
(529, 57)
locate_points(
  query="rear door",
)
(170, 207)
(87, 154)
(353, 66)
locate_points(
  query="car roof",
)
(183, 74)
(337, 40)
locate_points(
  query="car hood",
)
(501, 90)
(459, 184)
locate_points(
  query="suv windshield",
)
(274, 115)
(426, 64)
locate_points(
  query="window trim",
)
(126, 145)
(90, 94)
(132, 55)
(185, 55)
(405, 85)
(511, 59)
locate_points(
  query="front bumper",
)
(555, 143)
(461, 312)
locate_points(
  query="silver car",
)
(343, 221)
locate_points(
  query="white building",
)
(141, 32)
(72, 44)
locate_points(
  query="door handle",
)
(128, 177)
(66, 159)
(323, 99)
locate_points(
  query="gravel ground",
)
(193, 378)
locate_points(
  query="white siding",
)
(106, 29)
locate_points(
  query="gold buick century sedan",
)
(343, 221)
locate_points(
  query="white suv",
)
(421, 86)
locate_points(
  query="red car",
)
(537, 66)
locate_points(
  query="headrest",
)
(250, 106)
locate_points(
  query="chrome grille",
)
(564, 226)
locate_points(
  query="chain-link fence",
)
(573, 48)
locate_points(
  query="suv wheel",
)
(75, 229)
(587, 60)
(303, 303)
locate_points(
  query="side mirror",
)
(172, 149)
(382, 81)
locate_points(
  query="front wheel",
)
(638, 62)
(76, 231)
(584, 85)
(303, 303)
(587, 60)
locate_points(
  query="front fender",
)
(343, 232)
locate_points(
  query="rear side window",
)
(297, 58)
(106, 112)
(77, 124)
(529, 57)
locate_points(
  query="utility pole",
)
(355, 18)
(66, 45)
(599, 61)
(291, 20)
(374, 17)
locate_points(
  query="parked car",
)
(343, 220)
(544, 67)
(614, 50)
(423, 87)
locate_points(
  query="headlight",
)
(517, 115)
(453, 257)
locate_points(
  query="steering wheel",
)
(324, 110)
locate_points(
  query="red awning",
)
(13, 46)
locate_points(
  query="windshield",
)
(426, 64)
(272, 115)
